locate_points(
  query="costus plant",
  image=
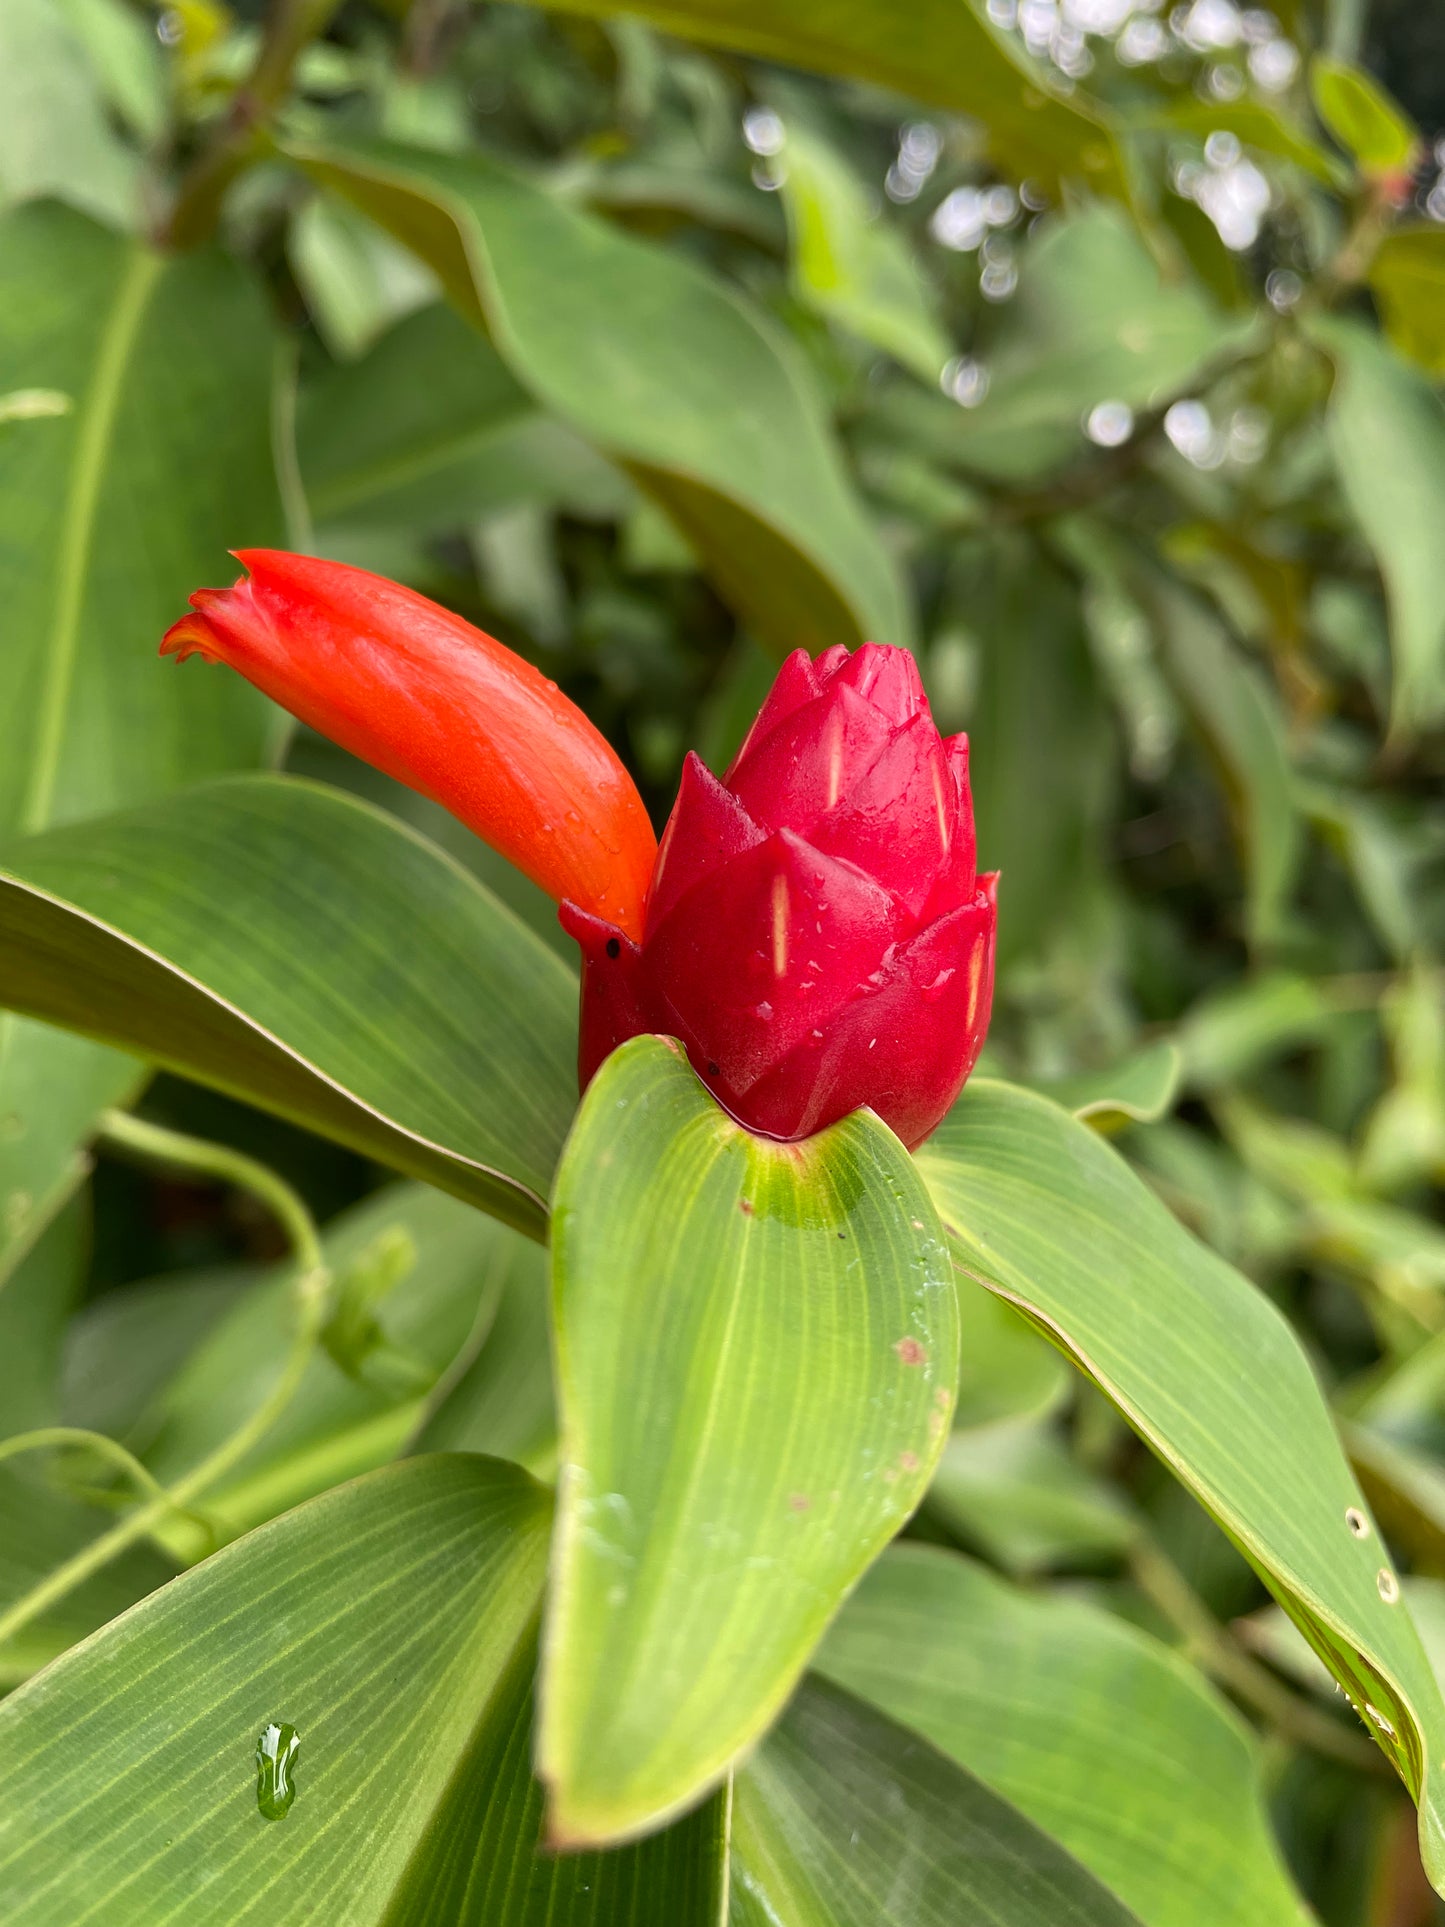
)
(640, 1284)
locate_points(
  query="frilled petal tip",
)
(191, 636)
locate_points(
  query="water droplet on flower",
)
(763, 1010)
(276, 1752)
(940, 983)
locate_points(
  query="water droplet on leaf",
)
(276, 1752)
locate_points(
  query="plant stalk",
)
(290, 27)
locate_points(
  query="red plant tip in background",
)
(421, 694)
(816, 934)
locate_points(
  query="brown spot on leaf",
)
(908, 1461)
(911, 1352)
(745, 1205)
(942, 1398)
(800, 1502)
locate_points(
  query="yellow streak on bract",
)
(835, 757)
(780, 926)
(938, 798)
(975, 984)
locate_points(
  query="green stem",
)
(291, 25)
(125, 1461)
(151, 1144)
(1211, 1645)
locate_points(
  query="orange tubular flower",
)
(418, 692)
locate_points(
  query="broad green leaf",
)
(756, 1351)
(295, 947)
(844, 1819)
(1013, 1491)
(110, 513)
(391, 1624)
(46, 85)
(1140, 1089)
(1104, 1737)
(952, 55)
(851, 267)
(1363, 118)
(668, 372)
(379, 449)
(438, 1313)
(1386, 429)
(1407, 276)
(1208, 1372)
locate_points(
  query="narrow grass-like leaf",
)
(845, 1819)
(756, 1351)
(1040, 1209)
(1106, 1738)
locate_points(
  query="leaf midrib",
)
(92, 448)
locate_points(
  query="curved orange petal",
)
(444, 708)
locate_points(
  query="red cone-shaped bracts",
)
(418, 692)
(816, 934)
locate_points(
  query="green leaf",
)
(845, 1819)
(46, 84)
(1208, 1372)
(110, 513)
(391, 1623)
(1363, 118)
(380, 450)
(356, 280)
(1105, 1738)
(756, 1351)
(1407, 275)
(668, 372)
(36, 1301)
(952, 55)
(295, 947)
(848, 265)
(1140, 1089)
(1386, 430)
(1239, 720)
(502, 1403)
(1040, 740)
(1013, 1491)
